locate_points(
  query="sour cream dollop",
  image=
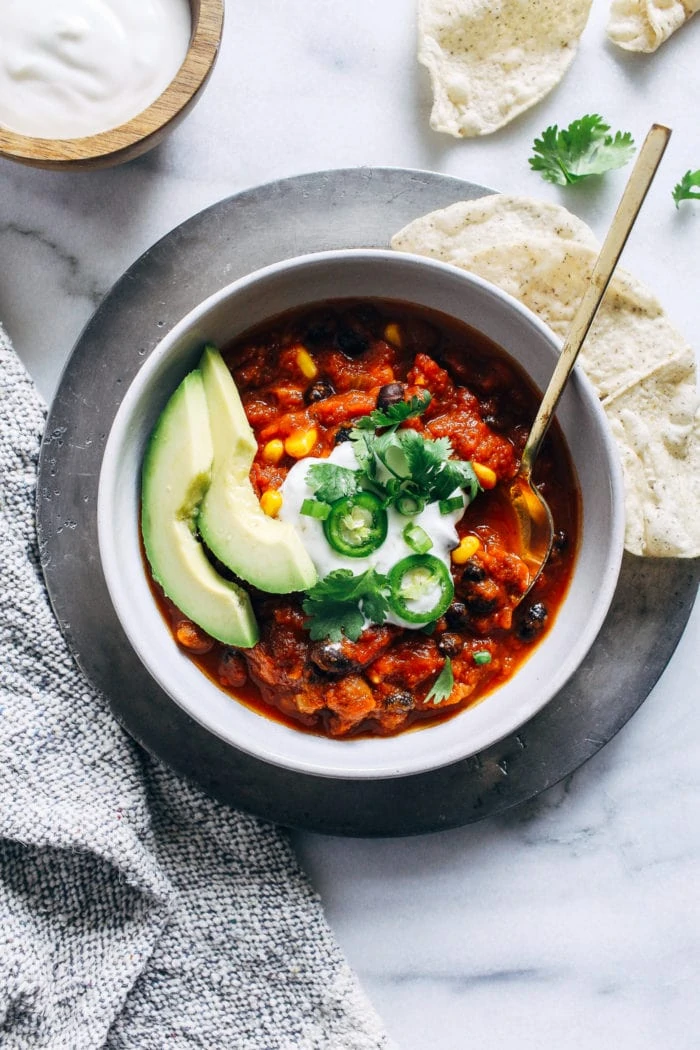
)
(441, 528)
(70, 68)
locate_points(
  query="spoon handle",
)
(627, 210)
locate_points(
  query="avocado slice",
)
(268, 553)
(176, 474)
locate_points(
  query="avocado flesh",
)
(176, 475)
(268, 553)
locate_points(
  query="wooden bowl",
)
(142, 132)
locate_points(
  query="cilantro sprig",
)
(339, 604)
(443, 684)
(419, 469)
(394, 414)
(584, 148)
(686, 189)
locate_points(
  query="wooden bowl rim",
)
(207, 26)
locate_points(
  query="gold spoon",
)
(534, 516)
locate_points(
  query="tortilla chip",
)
(641, 366)
(490, 61)
(631, 334)
(468, 226)
(643, 25)
(656, 424)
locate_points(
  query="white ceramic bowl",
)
(388, 275)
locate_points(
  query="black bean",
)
(532, 622)
(232, 669)
(351, 341)
(478, 606)
(457, 615)
(450, 644)
(330, 658)
(342, 434)
(473, 572)
(319, 391)
(401, 700)
(390, 394)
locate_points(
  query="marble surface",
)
(572, 921)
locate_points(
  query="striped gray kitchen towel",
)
(134, 910)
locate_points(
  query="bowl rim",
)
(142, 131)
(324, 765)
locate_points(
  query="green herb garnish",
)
(448, 505)
(394, 414)
(443, 684)
(482, 657)
(417, 538)
(584, 148)
(685, 189)
(420, 469)
(329, 482)
(313, 508)
(339, 604)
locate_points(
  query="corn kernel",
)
(392, 334)
(306, 363)
(466, 550)
(273, 451)
(300, 443)
(487, 478)
(271, 502)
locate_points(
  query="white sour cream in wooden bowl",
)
(71, 68)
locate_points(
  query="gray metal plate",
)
(347, 208)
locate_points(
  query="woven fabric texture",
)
(134, 910)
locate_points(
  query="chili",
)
(484, 404)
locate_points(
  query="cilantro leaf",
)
(338, 604)
(394, 414)
(443, 684)
(435, 474)
(684, 190)
(425, 456)
(458, 474)
(363, 447)
(329, 482)
(388, 449)
(584, 148)
(331, 620)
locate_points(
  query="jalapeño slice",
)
(421, 588)
(356, 525)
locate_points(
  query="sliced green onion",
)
(482, 657)
(448, 505)
(417, 538)
(314, 508)
(409, 506)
